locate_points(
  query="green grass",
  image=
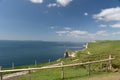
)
(72, 73)
(99, 50)
(104, 47)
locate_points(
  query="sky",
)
(60, 20)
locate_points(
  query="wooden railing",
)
(62, 67)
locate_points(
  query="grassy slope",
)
(102, 49)
(98, 50)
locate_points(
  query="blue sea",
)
(26, 52)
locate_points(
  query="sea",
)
(27, 52)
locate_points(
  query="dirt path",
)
(110, 76)
(12, 75)
(8, 76)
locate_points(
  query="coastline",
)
(85, 46)
(42, 52)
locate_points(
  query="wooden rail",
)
(62, 67)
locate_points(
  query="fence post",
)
(35, 62)
(101, 64)
(49, 61)
(89, 69)
(110, 62)
(1, 76)
(13, 66)
(62, 72)
(29, 73)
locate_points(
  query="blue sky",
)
(60, 20)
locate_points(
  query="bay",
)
(26, 52)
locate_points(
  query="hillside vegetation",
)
(95, 51)
(101, 50)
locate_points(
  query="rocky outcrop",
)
(66, 54)
(69, 53)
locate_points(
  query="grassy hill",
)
(95, 51)
(101, 50)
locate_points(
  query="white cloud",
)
(102, 33)
(63, 2)
(110, 14)
(36, 1)
(86, 14)
(52, 5)
(52, 27)
(67, 28)
(60, 33)
(59, 3)
(72, 33)
(117, 25)
(91, 35)
(85, 35)
(116, 33)
(102, 25)
(78, 32)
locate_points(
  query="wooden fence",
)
(62, 67)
